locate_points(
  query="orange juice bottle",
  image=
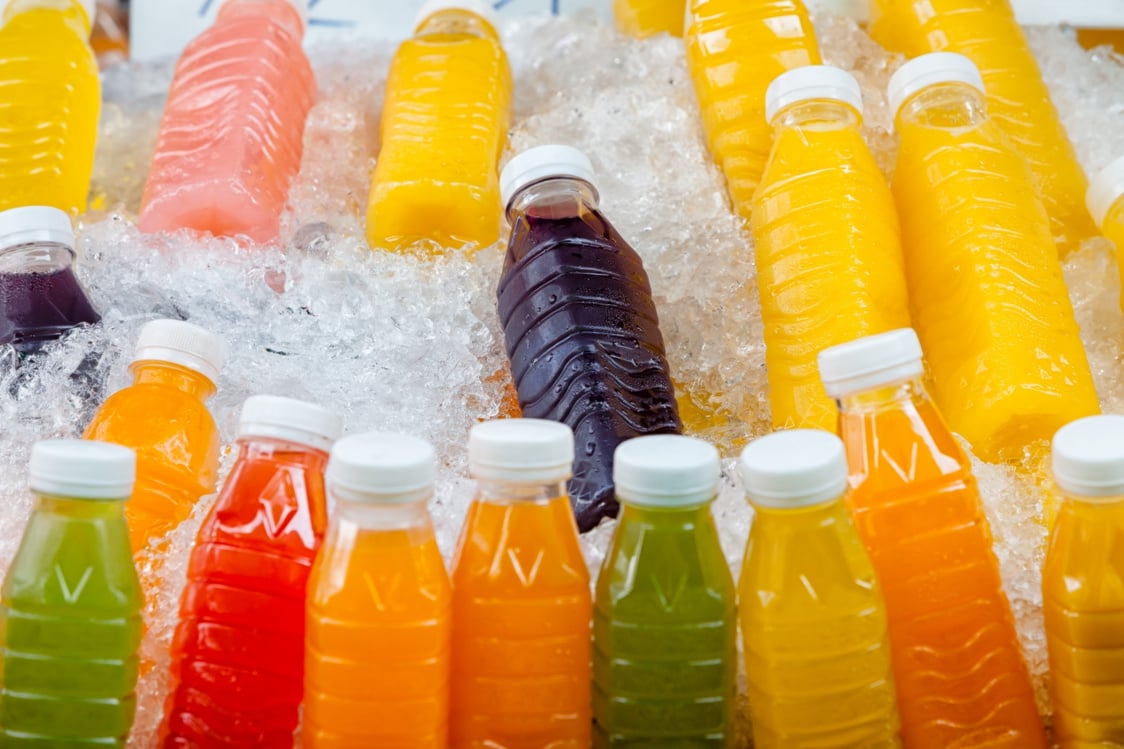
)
(958, 665)
(1083, 585)
(379, 625)
(986, 32)
(1106, 203)
(735, 49)
(521, 597)
(989, 301)
(828, 254)
(643, 18)
(163, 416)
(444, 125)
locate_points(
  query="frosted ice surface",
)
(405, 342)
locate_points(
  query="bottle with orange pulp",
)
(1106, 203)
(379, 631)
(163, 416)
(825, 232)
(958, 665)
(644, 18)
(50, 100)
(237, 675)
(735, 49)
(987, 33)
(231, 139)
(521, 598)
(989, 301)
(444, 126)
(1083, 585)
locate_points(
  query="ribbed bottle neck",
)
(151, 372)
(950, 106)
(554, 198)
(823, 114)
(514, 492)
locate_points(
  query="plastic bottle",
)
(521, 600)
(237, 673)
(825, 231)
(50, 100)
(664, 628)
(380, 604)
(70, 623)
(986, 32)
(644, 18)
(580, 325)
(958, 666)
(164, 417)
(1083, 585)
(735, 49)
(231, 139)
(989, 301)
(444, 126)
(1106, 202)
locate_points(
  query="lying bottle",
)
(581, 328)
(644, 18)
(1106, 203)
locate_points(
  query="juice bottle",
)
(958, 666)
(70, 621)
(378, 642)
(989, 301)
(817, 658)
(664, 632)
(987, 33)
(735, 49)
(1106, 202)
(825, 231)
(579, 321)
(231, 138)
(50, 100)
(444, 126)
(164, 417)
(237, 674)
(644, 18)
(521, 601)
(1083, 585)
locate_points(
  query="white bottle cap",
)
(82, 469)
(1105, 189)
(928, 70)
(290, 420)
(544, 162)
(521, 450)
(666, 470)
(809, 83)
(870, 362)
(36, 223)
(480, 8)
(1089, 457)
(181, 343)
(382, 468)
(794, 468)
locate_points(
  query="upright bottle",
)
(987, 33)
(664, 633)
(163, 416)
(378, 642)
(1106, 203)
(444, 126)
(237, 674)
(644, 18)
(579, 321)
(521, 601)
(958, 666)
(231, 139)
(735, 49)
(827, 248)
(989, 301)
(50, 100)
(70, 609)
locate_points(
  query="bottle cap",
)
(181, 343)
(36, 223)
(82, 469)
(1105, 189)
(1088, 457)
(928, 70)
(870, 362)
(812, 82)
(481, 8)
(794, 468)
(666, 470)
(291, 420)
(521, 450)
(544, 162)
(381, 467)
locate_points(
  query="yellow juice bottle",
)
(1106, 203)
(643, 18)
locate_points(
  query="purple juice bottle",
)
(581, 328)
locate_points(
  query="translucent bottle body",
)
(40, 297)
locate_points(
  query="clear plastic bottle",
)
(1106, 204)
(644, 18)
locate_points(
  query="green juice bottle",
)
(70, 621)
(664, 627)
